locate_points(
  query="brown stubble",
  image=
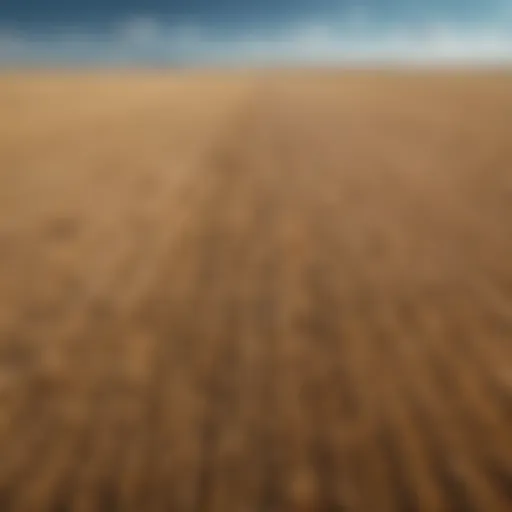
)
(277, 291)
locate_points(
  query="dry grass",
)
(274, 292)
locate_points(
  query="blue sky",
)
(160, 32)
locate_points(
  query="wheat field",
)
(256, 291)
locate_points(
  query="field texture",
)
(282, 291)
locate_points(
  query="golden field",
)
(256, 291)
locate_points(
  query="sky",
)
(266, 32)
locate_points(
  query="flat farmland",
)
(256, 291)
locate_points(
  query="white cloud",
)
(143, 40)
(139, 30)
